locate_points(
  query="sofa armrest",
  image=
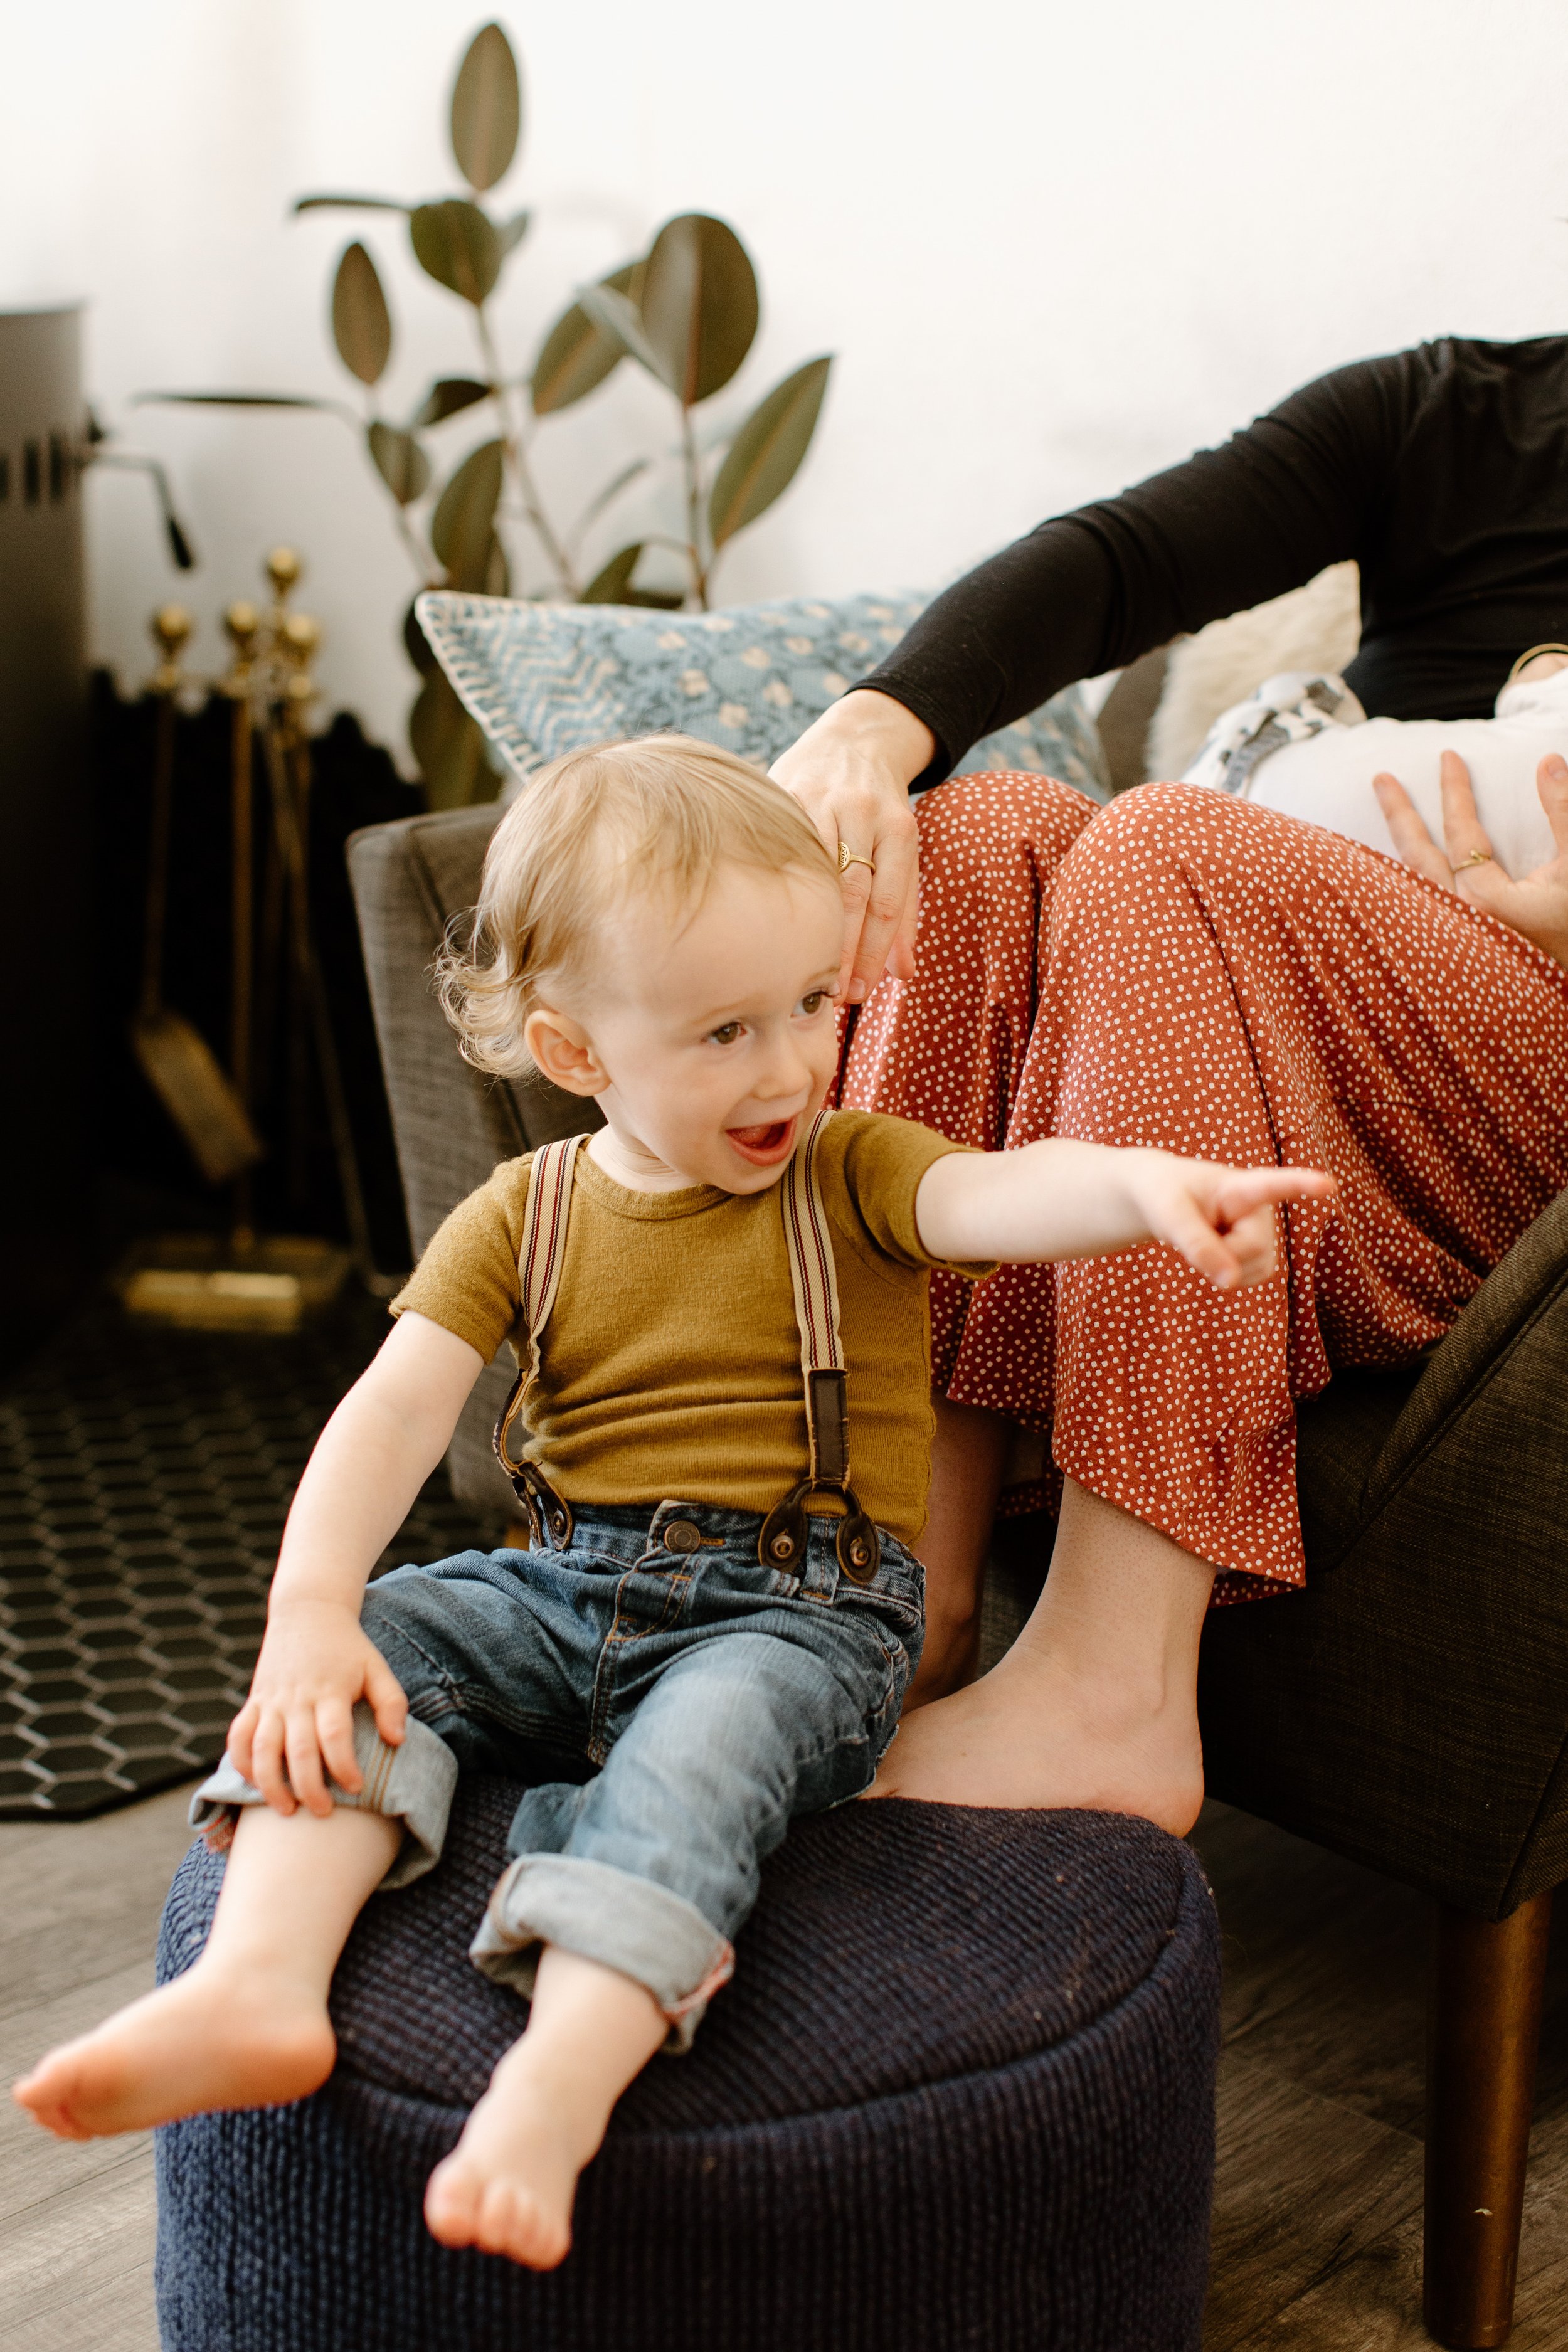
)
(1410, 1707)
(450, 1123)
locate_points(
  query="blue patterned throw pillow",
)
(545, 679)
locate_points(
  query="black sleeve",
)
(1092, 590)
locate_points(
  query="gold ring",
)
(1529, 655)
(1476, 857)
(848, 858)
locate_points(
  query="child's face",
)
(709, 1041)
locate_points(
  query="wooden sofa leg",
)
(1483, 2031)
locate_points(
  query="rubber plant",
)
(686, 311)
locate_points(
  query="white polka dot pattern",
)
(1184, 970)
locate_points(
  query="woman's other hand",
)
(851, 772)
(1535, 904)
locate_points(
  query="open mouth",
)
(765, 1145)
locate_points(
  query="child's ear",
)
(563, 1052)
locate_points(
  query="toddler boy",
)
(721, 1610)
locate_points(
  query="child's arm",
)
(368, 1463)
(1062, 1198)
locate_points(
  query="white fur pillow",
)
(1317, 627)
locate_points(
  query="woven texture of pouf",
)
(959, 2094)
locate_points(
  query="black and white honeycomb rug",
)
(144, 1476)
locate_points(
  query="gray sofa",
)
(1410, 1709)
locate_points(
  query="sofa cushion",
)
(542, 679)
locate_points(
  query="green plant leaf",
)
(576, 355)
(447, 396)
(486, 108)
(400, 461)
(464, 522)
(455, 244)
(416, 643)
(616, 317)
(699, 304)
(497, 571)
(662, 600)
(362, 324)
(348, 204)
(766, 452)
(448, 745)
(612, 585)
(512, 232)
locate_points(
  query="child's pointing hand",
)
(1221, 1218)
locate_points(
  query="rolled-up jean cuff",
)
(624, 1922)
(412, 1783)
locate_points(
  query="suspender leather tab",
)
(815, 1280)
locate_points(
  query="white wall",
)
(1056, 243)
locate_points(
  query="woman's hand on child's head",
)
(1222, 1219)
(297, 1724)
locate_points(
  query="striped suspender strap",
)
(815, 1279)
(783, 1541)
(539, 1262)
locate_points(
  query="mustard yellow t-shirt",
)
(669, 1368)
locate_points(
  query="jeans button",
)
(682, 1534)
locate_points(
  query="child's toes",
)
(452, 2201)
(46, 2095)
(513, 2223)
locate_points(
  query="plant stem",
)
(517, 457)
(693, 497)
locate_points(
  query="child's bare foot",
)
(1031, 1734)
(209, 2040)
(509, 2184)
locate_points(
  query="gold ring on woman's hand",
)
(848, 858)
(1476, 857)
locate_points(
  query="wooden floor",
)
(1318, 2213)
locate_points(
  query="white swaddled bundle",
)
(1302, 744)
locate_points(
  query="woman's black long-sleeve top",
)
(1442, 471)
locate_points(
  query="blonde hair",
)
(660, 815)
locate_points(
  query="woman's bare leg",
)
(968, 1456)
(247, 2026)
(1096, 1702)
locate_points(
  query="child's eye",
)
(724, 1036)
(813, 1000)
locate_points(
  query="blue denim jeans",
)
(672, 1701)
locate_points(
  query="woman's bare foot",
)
(509, 2184)
(208, 2040)
(1030, 1734)
(1096, 1704)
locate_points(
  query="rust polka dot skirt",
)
(1185, 969)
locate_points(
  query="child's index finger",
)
(1253, 1188)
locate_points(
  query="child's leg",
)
(509, 2184)
(246, 2025)
(1096, 1702)
(656, 1876)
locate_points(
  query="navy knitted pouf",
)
(958, 2094)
